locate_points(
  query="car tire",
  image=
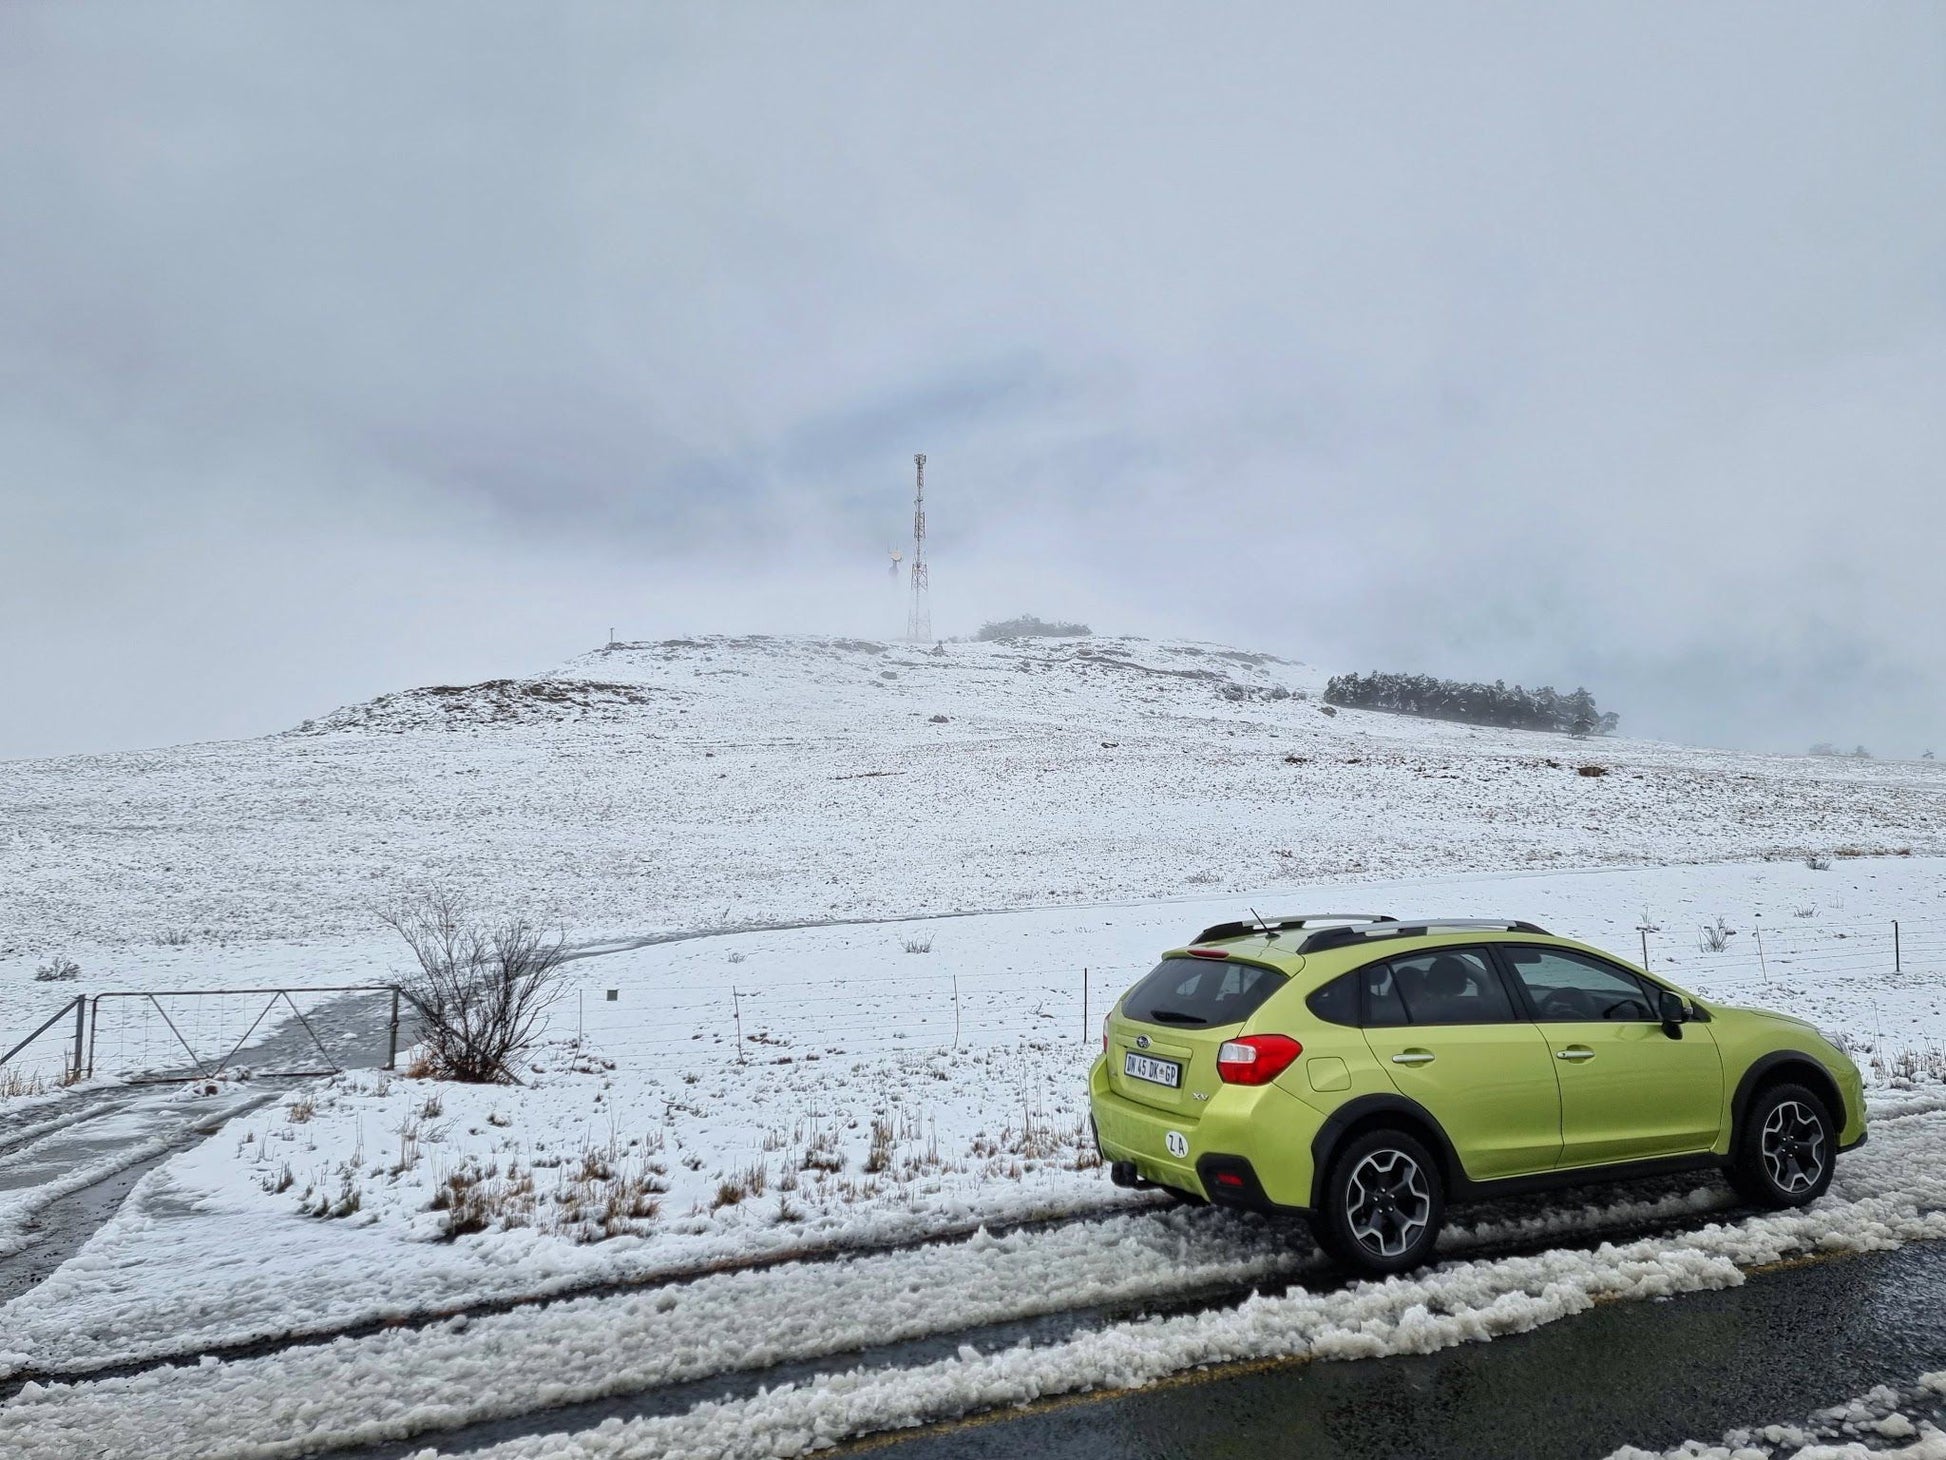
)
(1786, 1148)
(1384, 1203)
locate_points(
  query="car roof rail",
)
(1414, 928)
(1287, 922)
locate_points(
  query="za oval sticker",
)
(1177, 1142)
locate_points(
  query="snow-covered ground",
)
(760, 780)
(394, 1385)
(642, 1145)
(1017, 830)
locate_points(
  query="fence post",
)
(80, 1027)
(392, 1038)
(736, 1012)
(94, 1028)
(1644, 931)
(1898, 965)
(1084, 1006)
(1760, 955)
(956, 1011)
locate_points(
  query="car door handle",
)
(1413, 1057)
(1575, 1052)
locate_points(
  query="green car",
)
(1363, 1072)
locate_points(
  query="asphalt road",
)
(1650, 1374)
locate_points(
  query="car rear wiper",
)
(1170, 1016)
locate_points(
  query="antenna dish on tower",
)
(897, 558)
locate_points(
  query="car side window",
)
(1452, 986)
(1384, 1009)
(1572, 987)
(1337, 1001)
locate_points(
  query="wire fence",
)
(761, 1018)
(780, 1017)
(783, 1012)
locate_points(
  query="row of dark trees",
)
(1477, 704)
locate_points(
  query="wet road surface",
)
(1784, 1344)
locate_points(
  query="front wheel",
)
(1384, 1204)
(1786, 1148)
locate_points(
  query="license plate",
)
(1155, 1071)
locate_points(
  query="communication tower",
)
(918, 624)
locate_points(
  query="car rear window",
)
(1196, 993)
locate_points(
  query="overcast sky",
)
(345, 348)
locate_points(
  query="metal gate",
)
(146, 1036)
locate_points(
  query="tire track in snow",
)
(836, 1251)
(87, 1151)
(585, 1361)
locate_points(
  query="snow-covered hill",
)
(744, 779)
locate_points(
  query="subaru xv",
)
(1363, 1072)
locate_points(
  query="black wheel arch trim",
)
(1339, 1124)
(1781, 1063)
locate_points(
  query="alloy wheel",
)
(1792, 1145)
(1387, 1203)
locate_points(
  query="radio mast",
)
(918, 623)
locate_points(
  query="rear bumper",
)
(1250, 1147)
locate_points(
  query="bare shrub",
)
(1591, 770)
(173, 938)
(58, 969)
(481, 989)
(1715, 937)
(918, 945)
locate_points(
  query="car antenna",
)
(1270, 933)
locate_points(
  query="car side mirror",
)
(1673, 1010)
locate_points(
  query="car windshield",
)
(1200, 992)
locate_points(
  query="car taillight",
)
(1256, 1059)
(1105, 1018)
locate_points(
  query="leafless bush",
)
(1715, 937)
(58, 969)
(481, 989)
(173, 938)
(918, 945)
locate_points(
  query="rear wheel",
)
(1384, 1203)
(1786, 1148)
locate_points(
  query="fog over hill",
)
(699, 781)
